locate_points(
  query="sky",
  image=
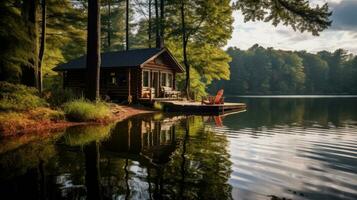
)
(341, 34)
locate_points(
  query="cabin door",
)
(155, 83)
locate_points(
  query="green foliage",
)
(158, 106)
(268, 71)
(18, 97)
(209, 26)
(83, 110)
(46, 114)
(15, 43)
(295, 13)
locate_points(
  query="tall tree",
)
(93, 50)
(298, 14)
(15, 44)
(149, 23)
(157, 24)
(42, 45)
(162, 23)
(127, 25)
(184, 48)
(109, 27)
(29, 12)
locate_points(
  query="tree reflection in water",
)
(147, 157)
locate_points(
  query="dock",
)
(202, 109)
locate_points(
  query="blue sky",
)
(342, 33)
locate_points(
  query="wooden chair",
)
(169, 92)
(218, 99)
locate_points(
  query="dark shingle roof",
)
(114, 59)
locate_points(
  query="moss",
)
(82, 110)
(16, 97)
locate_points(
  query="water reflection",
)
(293, 149)
(270, 112)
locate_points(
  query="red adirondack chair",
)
(218, 99)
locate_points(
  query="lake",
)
(292, 148)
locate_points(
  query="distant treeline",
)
(269, 71)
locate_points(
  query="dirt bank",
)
(18, 124)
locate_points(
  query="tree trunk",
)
(42, 47)
(162, 23)
(127, 25)
(157, 24)
(149, 28)
(184, 47)
(92, 170)
(109, 25)
(93, 50)
(29, 13)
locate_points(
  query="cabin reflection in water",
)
(138, 138)
(144, 157)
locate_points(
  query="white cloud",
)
(247, 34)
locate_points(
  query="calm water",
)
(278, 148)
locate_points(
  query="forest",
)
(207, 25)
(38, 35)
(261, 71)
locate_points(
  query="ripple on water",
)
(294, 162)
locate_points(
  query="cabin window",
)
(166, 79)
(163, 79)
(113, 79)
(146, 79)
(169, 80)
(117, 78)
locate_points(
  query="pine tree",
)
(93, 50)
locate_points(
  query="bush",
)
(18, 97)
(158, 106)
(46, 114)
(12, 121)
(83, 110)
(59, 96)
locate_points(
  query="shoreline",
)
(120, 112)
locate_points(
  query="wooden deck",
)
(202, 109)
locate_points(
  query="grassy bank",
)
(23, 109)
(82, 110)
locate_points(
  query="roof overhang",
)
(180, 69)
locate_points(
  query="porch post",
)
(174, 81)
(129, 87)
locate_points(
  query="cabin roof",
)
(123, 59)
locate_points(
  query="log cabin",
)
(137, 74)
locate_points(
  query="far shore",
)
(293, 96)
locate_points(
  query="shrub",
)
(18, 97)
(158, 106)
(83, 110)
(12, 121)
(59, 96)
(46, 114)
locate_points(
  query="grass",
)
(81, 110)
(16, 97)
(12, 122)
